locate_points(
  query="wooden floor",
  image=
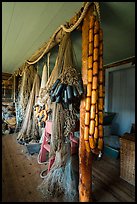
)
(107, 184)
(20, 177)
(20, 173)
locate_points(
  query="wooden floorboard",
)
(106, 176)
(20, 176)
(20, 173)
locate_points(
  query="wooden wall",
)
(7, 88)
(121, 98)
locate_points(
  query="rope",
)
(69, 76)
(68, 30)
(58, 29)
(70, 121)
(64, 29)
(97, 8)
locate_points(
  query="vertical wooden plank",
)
(110, 91)
(85, 158)
(132, 95)
(122, 99)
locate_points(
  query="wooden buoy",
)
(86, 132)
(91, 142)
(100, 143)
(87, 118)
(92, 127)
(88, 103)
(95, 68)
(90, 61)
(100, 130)
(91, 47)
(96, 132)
(95, 54)
(93, 97)
(95, 82)
(91, 35)
(96, 41)
(89, 89)
(93, 111)
(90, 73)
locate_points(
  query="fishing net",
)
(44, 92)
(44, 79)
(61, 182)
(24, 89)
(35, 128)
(29, 127)
(70, 121)
(70, 182)
(44, 76)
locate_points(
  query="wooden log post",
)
(85, 157)
(14, 89)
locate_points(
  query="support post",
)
(85, 158)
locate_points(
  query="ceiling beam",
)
(121, 62)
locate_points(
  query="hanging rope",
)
(97, 10)
(68, 30)
(65, 29)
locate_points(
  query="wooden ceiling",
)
(28, 25)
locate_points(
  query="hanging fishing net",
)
(24, 88)
(29, 126)
(61, 182)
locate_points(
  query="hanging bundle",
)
(44, 106)
(94, 102)
(62, 87)
(40, 109)
(68, 86)
(44, 77)
(27, 132)
(24, 89)
(41, 114)
(44, 94)
(55, 183)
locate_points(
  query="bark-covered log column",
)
(85, 157)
